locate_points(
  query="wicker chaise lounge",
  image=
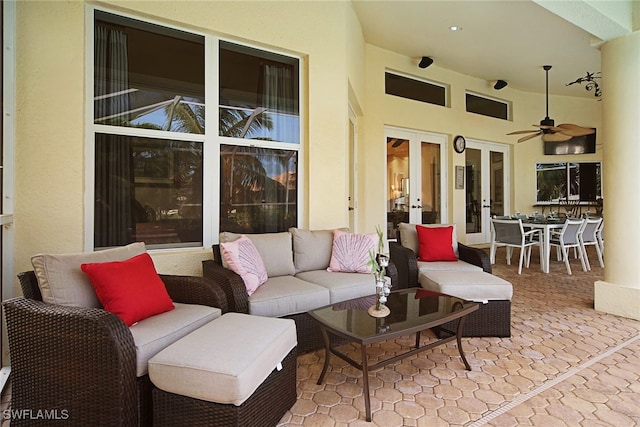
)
(80, 363)
(468, 277)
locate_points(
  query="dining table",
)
(545, 225)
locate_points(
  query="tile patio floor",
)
(564, 365)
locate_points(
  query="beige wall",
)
(50, 124)
(340, 69)
(528, 109)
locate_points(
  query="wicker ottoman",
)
(493, 318)
(238, 370)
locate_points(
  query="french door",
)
(416, 178)
(486, 189)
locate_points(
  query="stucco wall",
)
(51, 116)
(340, 67)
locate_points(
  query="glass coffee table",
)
(412, 311)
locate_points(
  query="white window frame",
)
(210, 139)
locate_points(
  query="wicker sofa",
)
(298, 281)
(83, 362)
(472, 269)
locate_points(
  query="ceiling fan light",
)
(425, 62)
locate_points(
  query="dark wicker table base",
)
(266, 406)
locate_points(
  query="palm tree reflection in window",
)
(258, 189)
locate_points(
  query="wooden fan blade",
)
(518, 132)
(528, 137)
(575, 130)
(555, 137)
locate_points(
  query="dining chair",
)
(600, 236)
(569, 237)
(510, 234)
(589, 237)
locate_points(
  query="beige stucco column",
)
(619, 292)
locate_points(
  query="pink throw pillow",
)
(130, 289)
(242, 257)
(350, 252)
(435, 244)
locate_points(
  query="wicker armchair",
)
(309, 336)
(406, 261)
(80, 363)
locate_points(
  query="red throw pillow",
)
(435, 244)
(130, 289)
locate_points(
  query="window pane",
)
(551, 181)
(258, 189)
(258, 94)
(398, 184)
(431, 172)
(487, 107)
(414, 89)
(147, 190)
(147, 76)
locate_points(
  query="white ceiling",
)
(508, 40)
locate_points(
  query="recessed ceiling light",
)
(455, 28)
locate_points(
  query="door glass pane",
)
(497, 183)
(397, 184)
(430, 158)
(258, 189)
(473, 187)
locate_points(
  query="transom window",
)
(413, 88)
(151, 164)
(491, 107)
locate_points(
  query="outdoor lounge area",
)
(564, 364)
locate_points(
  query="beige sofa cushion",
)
(275, 250)
(470, 285)
(312, 248)
(157, 332)
(341, 286)
(287, 295)
(62, 282)
(425, 266)
(226, 360)
(409, 236)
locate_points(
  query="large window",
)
(556, 182)
(150, 136)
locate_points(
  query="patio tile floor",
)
(565, 364)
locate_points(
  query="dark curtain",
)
(113, 191)
(113, 225)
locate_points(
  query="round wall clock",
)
(459, 143)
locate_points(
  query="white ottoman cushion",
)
(475, 286)
(225, 360)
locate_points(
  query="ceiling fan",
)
(547, 128)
